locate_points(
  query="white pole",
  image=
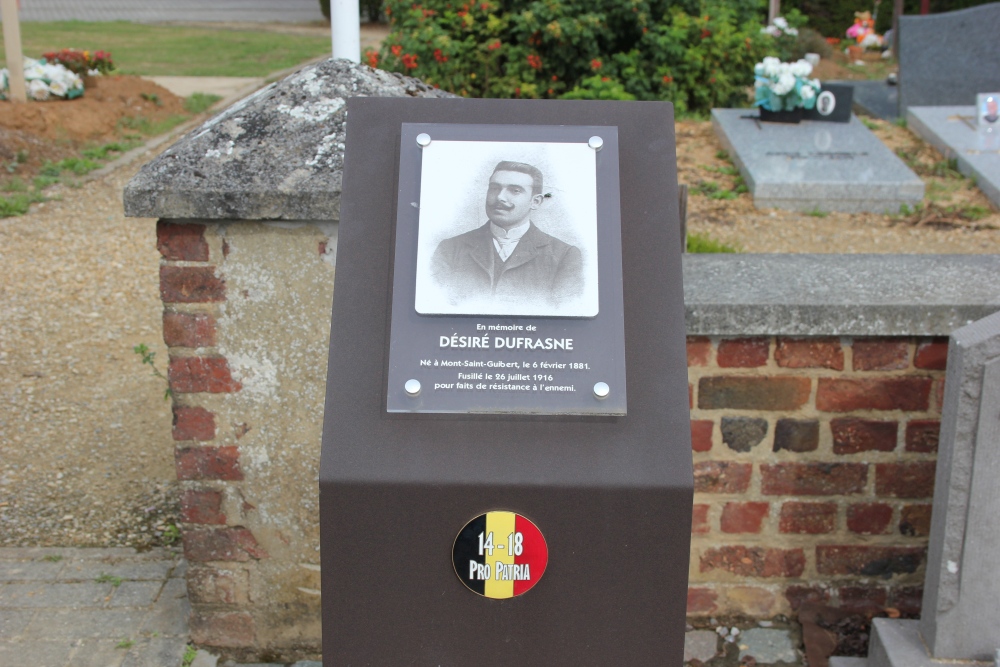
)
(12, 46)
(345, 29)
(773, 10)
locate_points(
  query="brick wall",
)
(814, 463)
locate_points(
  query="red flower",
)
(396, 50)
(595, 64)
(534, 61)
(550, 91)
(645, 30)
(605, 79)
(555, 78)
(409, 60)
(429, 13)
(440, 57)
(706, 33)
(462, 12)
(485, 7)
(667, 78)
(517, 91)
(372, 59)
(712, 80)
(494, 45)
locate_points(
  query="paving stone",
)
(132, 571)
(204, 659)
(136, 594)
(55, 595)
(29, 571)
(95, 623)
(156, 652)
(308, 663)
(36, 653)
(700, 645)
(768, 646)
(13, 623)
(99, 653)
(169, 615)
(848, 662)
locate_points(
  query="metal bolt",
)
(595, 142)
(423, 140)
(412, 387)
(601, 390)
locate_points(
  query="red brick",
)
(868, 561)
(862, 599)
(222, 629)
(202, 506)
(754, 561)
(701, 601)
(869, 518)
(753, 601)
(937, 395)
(192, 375)
(699, 519)
(796, 435)
(699, 351)
(908, 600)
(813, 479)
(744, 517)
(932, 356)
(722, 477)
(194, 463)
(753, 393)
(181, 242)
(701, 434)
(851, 435)
(211, 585)
(905, 480)
(881, 354)
(193, 423)
(690, 395)
(915, 520)
(809, 353)
(799, 595)
(191, 284)
(911, 394)
(922, 435)
(808, 518)
(743, 352)
(188, 329)
(232, 544)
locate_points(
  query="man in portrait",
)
(509, 259)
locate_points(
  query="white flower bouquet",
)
(45, 80)
(784, 86)
(779, 28)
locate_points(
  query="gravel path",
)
(86, 457)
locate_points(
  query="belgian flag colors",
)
(500, 555)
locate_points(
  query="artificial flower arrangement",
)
(780, 28)
(44, 80)
(784, 87)
(82, 63)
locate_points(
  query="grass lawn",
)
(158, 50)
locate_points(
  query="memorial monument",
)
(506, 473)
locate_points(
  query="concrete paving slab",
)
(848, 662)
(169, 614)
(54, 595)
(99, 653)
(136, 594)
(224, 86)
(30, 570)
(13, 623)
(700, 645)
(96, 623)
(156, 652)
(37, 653)
(129, 570)
(768, 646)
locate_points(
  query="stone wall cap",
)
(838, 295)
(276, 155)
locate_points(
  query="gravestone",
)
(946, 59)
(490, 493)
(953, 131)
(815, 165)
(959, 614)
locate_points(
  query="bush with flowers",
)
(784, 86)
(697, 55)
(45, 80)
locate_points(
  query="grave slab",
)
(953, 131)
(767, 646)
(814, 165)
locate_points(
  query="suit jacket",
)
(541, 267)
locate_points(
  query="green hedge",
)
(698, 55)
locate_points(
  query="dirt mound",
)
(108, 102)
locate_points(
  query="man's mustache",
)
(502, 207)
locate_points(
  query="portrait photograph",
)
(507, 228)
(988, 109)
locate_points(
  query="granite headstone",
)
(945, 59)
(816, 166)
(954, 132)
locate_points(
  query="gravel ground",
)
(86, 457)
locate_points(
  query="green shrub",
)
(695, 55)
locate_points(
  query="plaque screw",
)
(412, 387)
(595, 142)
(424, 140)
(601, 390)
